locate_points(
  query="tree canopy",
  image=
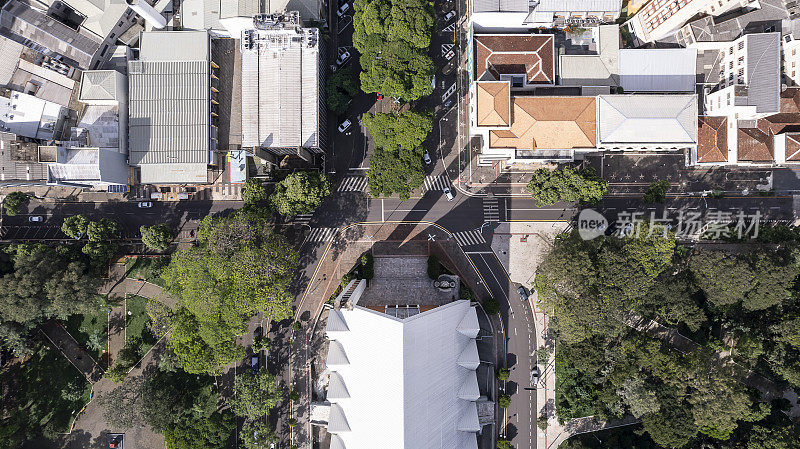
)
(13, 202)
(299, 193)
(253, 191)
(396, 164)
(393, 37)
(157, 237)
(240, 267)
(255, 395)
(567, 184)
(340, 89)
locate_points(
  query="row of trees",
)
(298, 193)
(99, 233)
(744, 303)
(393, 37)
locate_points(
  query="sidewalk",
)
(211, 192)
(70, 348)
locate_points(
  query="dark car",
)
(523, 294)
(254, 364)
(612, 228)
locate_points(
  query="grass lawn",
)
(84, 327)
(48, 393)
(146, 268)
(137, 330)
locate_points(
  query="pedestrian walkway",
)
(353, 184)
(436, 182)
(72, 350)
(302, 219)
(491, 210)
(321, 234)
(469, 238)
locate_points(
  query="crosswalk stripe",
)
(468, 238)
(353, 184)
(302, 218)
(436, 183)
(321, 234)
(491, 210)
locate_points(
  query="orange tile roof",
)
(793, 147)
(494, 98)
(549, 123)
(755, 145)
(515, 54)
(712, 139)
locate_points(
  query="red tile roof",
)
(515, 54)
(712, 139)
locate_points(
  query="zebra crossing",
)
(302, 219)
(468, 238)
(450, 28)
(491, 210)
(321, 234)
(436, 182)
(353, 184)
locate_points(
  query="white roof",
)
(580, 5)
(400, 384)
(10, 52)
(100, 85)
(29, 116)
(631, 119)
(101, 15)
(658, 69)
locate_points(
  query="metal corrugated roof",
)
(658, 69)
(631, 119)
(763, 71)
(10, 52)
(579, 5)
(99, 85)
(500, 6)
(174, 46)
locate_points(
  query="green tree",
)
(156, 237)
(367, 266)
(491, 306)
(75, 226)
(657, 192)
(99, 253)
(13, 202)
(291, 422)
(503, 373)
(568, 184)
(504, 401)
(255, 395)
(256, 435)
(297, 326)
(300, 193)
(341, 87)
(396, 164)
(217, 299)
(102, 230)
(253, 191)
(504, 444)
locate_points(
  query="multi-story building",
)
(659, 19)
(749, 78)
(172, 116)
(790, 51)
(283, 104)
(517, 15)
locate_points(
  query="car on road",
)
(523, 294)
(448, 103)
(535, 374)
(449, 16)
(35, 219)
(448, 193)
(345, 125)
(426, 157)
(343, 9)
(449, 55)
(145, 204)
(450, 67)
(342, 59)
(254, 364)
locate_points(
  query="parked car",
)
(145, 204)
(426, 157)
(449, 16)
(449, 55)
(342, 59)
(346, 124)
(35, 219)
(612, 228)
(448, 193)
(343, 9)
(535, 374)
(254, 364)
(448, 103)
(523, 293)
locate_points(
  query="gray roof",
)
(30, 24)
(99, 85)
(601, 69)
(730, 26)
(658, 69)
(169, 101)
(308, 9)
(763, 72)
(500, 6)
(632, 119)
(10, 52)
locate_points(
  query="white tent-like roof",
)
(633, 119)
(657, 69)
(404, 383)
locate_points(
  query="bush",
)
(13, 202)
(434, 267)
(543, 355)
(491, 306)
(296, 326)
(117, 373)
(541, 423)
(292, 422)
(504, 401)
(503, 373)
(504, 444)
(367, 266)
(294, 396)
(657, 192)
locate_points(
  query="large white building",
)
(401, 383)
(659, 19)
(518, 15)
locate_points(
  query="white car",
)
(342, 58)
(448, 193)
(343, 9)
(426, 157)
(449, 16)
(145, 204)
(346, 124)
(35, 219)
(449, 55)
